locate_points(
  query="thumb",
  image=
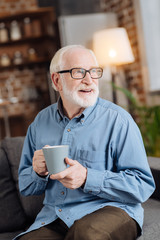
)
(69, 161)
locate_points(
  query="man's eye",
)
(79, 71)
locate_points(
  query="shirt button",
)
(60, 210)
(68, 130)
(42, 223)
(62, 193)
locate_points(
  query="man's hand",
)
(72, 177)
(39, 164)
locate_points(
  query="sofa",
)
(18, 212)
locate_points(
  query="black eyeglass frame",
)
(70, 71)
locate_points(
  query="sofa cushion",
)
(12, 216)
(151, 227)
(13, 148)
(9, 235)
(154, 163)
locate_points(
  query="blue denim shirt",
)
(104, 139)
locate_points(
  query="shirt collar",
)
(60, 108)
(88, 111)
(83, 116)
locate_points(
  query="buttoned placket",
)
(69, 126)
(66, 140)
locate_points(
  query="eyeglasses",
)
(79, 73)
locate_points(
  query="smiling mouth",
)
(86, 91)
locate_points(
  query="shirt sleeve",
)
(29, 182)
(131, 180)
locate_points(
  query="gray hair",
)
(57, 60)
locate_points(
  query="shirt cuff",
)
(94, 181)
(37, 178)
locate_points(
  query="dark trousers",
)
(108, 223)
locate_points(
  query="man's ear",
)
(56, 81)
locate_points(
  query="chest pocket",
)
(92, 159)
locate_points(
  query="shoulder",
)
(113, 110)
(47, 112)
(116, 117)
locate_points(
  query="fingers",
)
(39, 164)
(70, 161)
(72, 177)
(61, 175)
(66, 172)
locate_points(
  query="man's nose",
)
(87, 79)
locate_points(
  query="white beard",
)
(73, 97)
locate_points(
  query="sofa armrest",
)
(13, 148)
(12, 216)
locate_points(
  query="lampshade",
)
(112, 46)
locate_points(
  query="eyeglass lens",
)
(79, 73)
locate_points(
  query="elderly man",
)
(99, 194)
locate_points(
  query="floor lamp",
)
(112, 47)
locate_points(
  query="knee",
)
(80, 227)
(78, 231)
(82, 230)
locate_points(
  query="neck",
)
(71, 112)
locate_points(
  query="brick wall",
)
(126, 18)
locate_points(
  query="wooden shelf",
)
(43, 41)
(27, 39)
(33, 13)
(26, 64)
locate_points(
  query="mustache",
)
(84, 87)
